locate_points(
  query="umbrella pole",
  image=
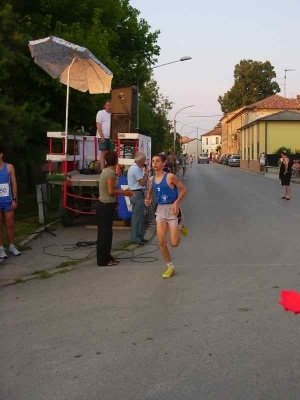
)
(67, 108)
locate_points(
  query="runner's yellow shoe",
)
(183, 230)
(168, 273)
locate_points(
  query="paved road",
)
(214, 331)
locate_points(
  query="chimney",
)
(298, 99)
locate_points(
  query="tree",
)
(253, 81)
(281, 149)
(31, 102)
(154, 120)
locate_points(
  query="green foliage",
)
(253, 81)
(297, 151)
(33, 103)
(219, 148)
(281, 149)
(153, 117)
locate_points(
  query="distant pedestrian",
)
(171, 161)
(184, 165)
(285, 174)
(262, 162)
(106, 208)
(8, 204)
(137, 178)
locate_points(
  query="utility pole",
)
(197, 141)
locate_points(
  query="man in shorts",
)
(168, 214)
(8, 203)
(103, 123)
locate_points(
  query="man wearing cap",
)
(137, 179)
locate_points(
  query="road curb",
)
(57, 271)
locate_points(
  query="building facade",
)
(268, 134)
(232, 122)
(211, 141)
(191, 146)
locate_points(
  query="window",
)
(217, 140)
(206, 141)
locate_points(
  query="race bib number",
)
(4, 190)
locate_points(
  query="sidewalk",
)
(271, 175)
(274, 176)
(60, 253)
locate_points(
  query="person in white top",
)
(262, 162)
(103, 123)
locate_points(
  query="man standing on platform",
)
(137, 179)
(103, 123)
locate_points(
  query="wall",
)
(285, 133)
(231, 137)
(212, 143)
(277, 133)
(191, 148)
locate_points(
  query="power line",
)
(205, 116)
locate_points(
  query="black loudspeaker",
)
(123, 110)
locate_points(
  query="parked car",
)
(234, 160)
(203, 158)
(226, 159)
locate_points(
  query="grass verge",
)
(67, 264)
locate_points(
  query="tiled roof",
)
(280, 116)
(216, 131)
(186, 139)
(276, 102)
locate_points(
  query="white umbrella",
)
(75, 66)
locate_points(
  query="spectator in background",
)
(106, 208)
(262, 162)
(8, 204)
(285, 174)
(184, 164)
(137, 179)
(296, 167)
(171, 161)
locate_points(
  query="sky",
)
(217, 34)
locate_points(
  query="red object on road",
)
(290, 301)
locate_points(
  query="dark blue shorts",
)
(5, 206)
(104, 146)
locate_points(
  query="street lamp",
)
(190, 105)
(191, 122)
(185, 58)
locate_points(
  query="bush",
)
(283, 148)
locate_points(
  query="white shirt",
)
(262, 159)
(104, 118)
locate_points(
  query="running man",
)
(168, 214)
